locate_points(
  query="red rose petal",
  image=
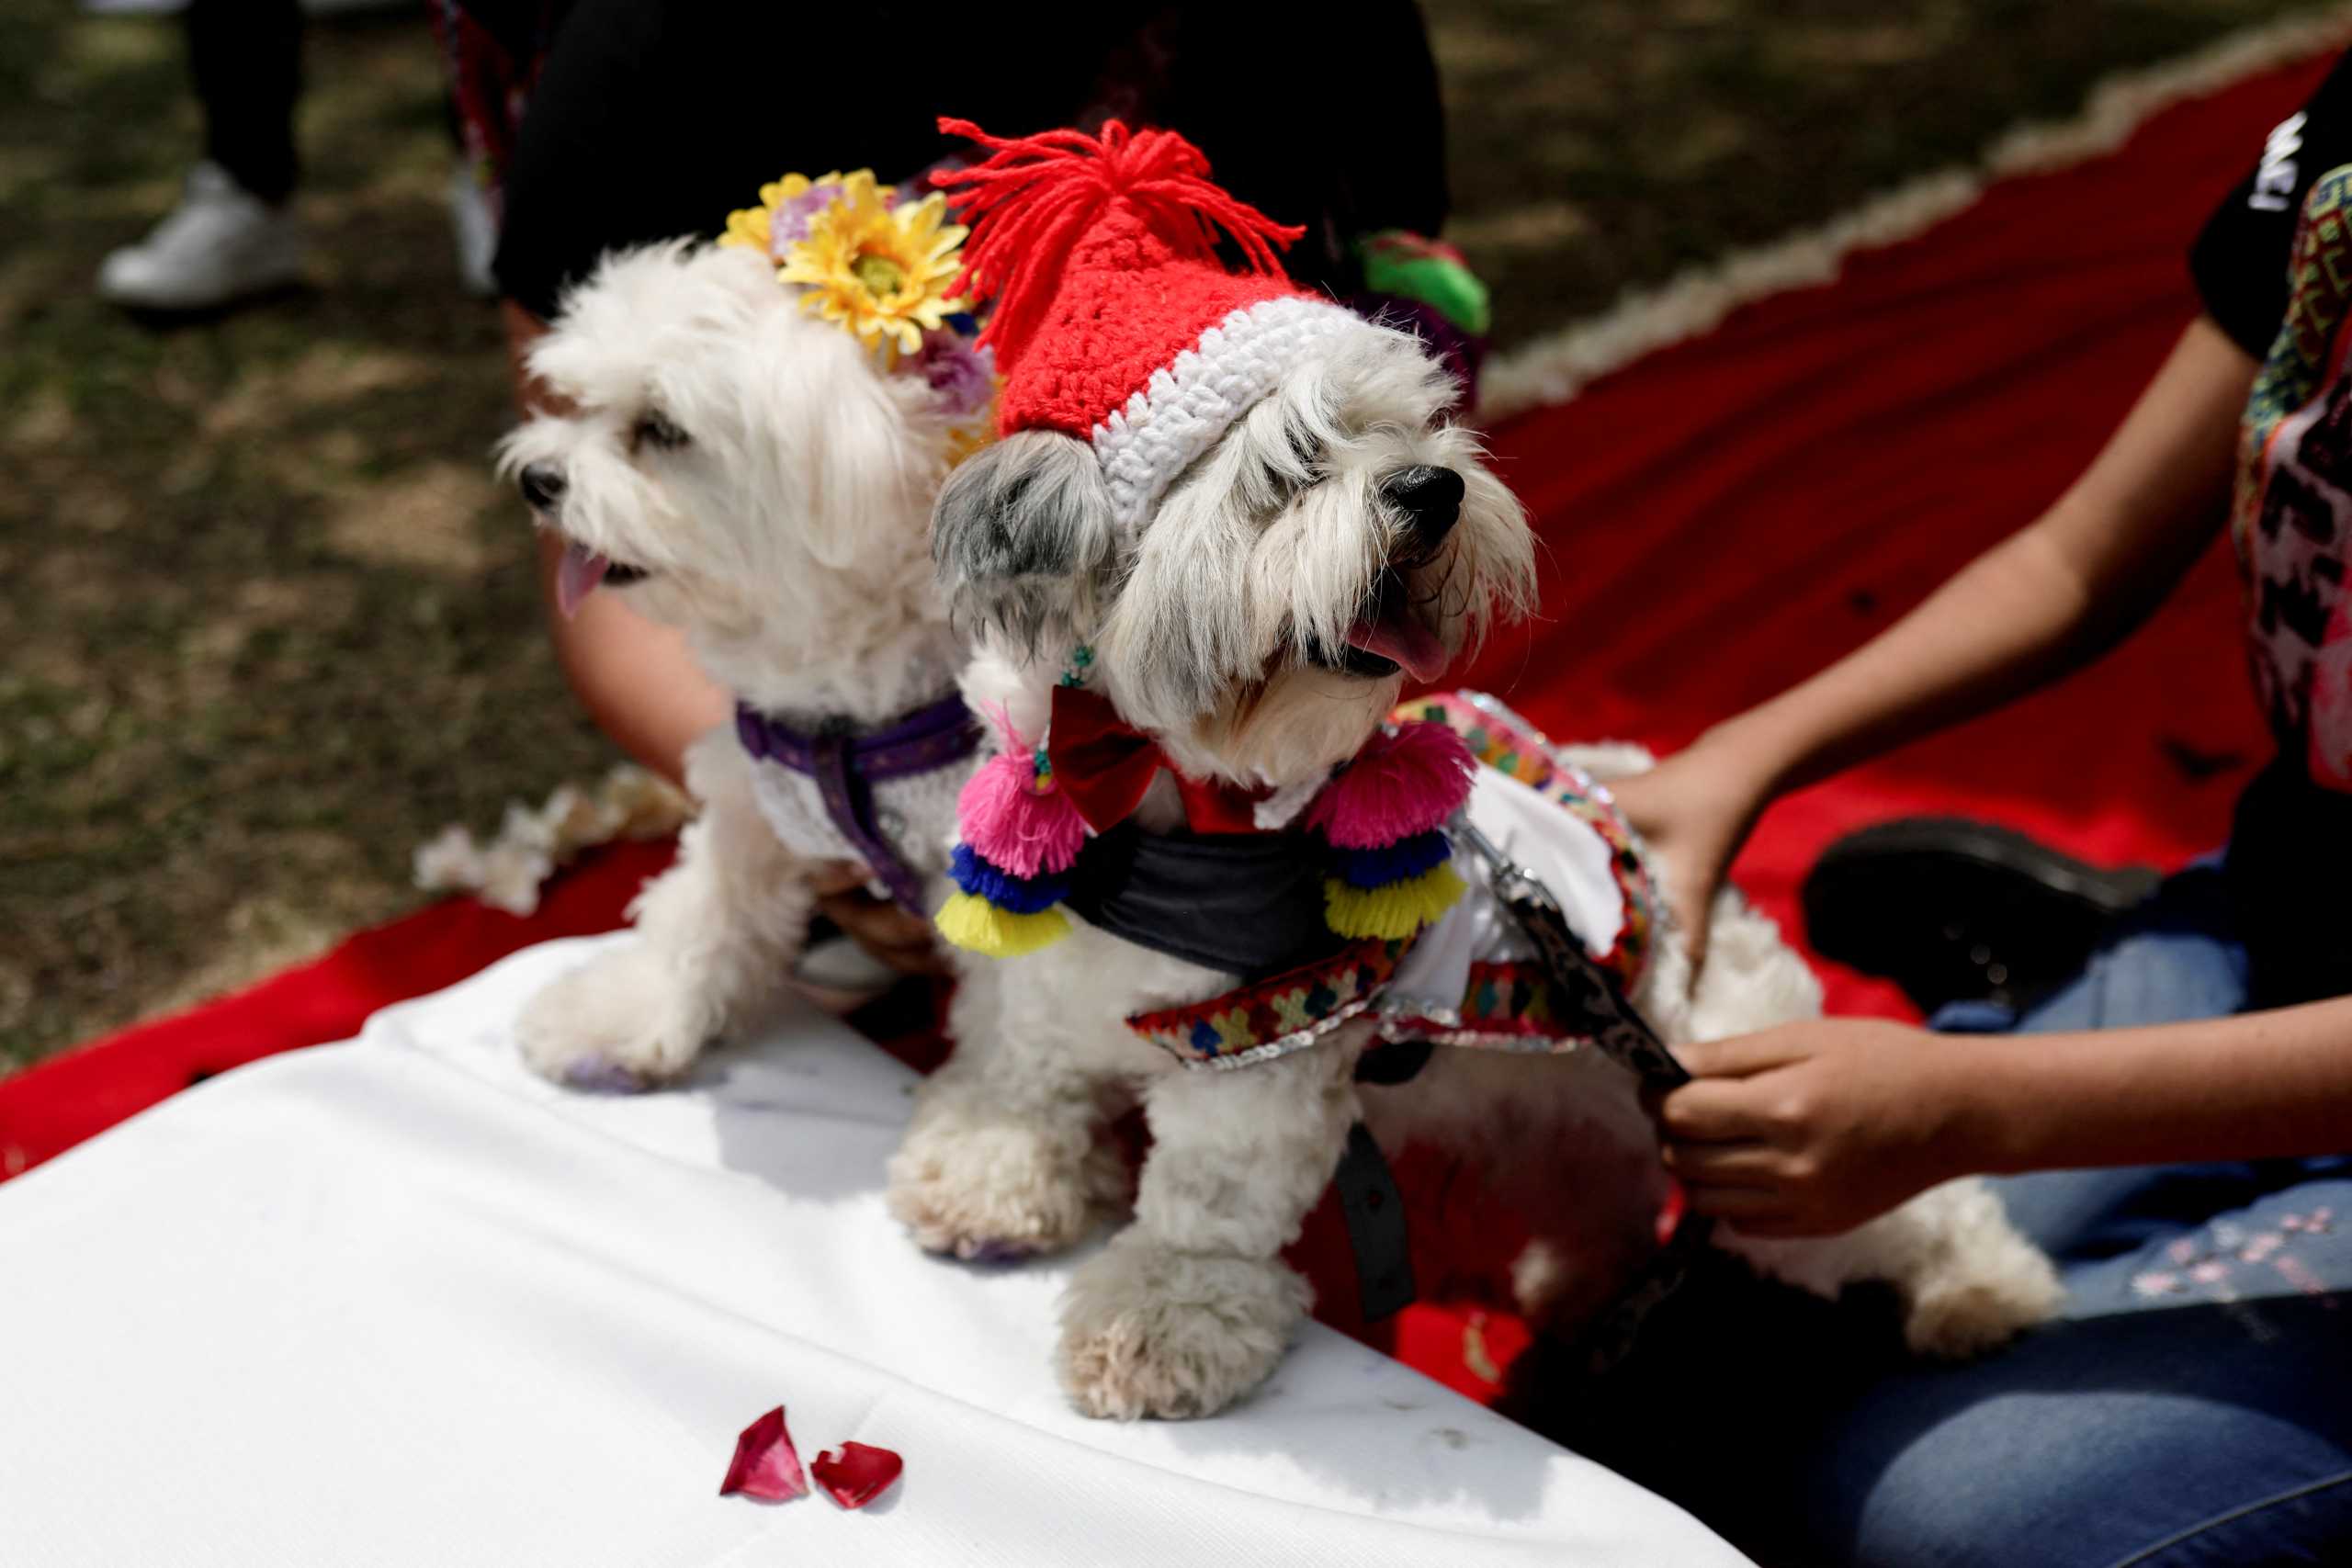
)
(767, 1464)
(857, 1474)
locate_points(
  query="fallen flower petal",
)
(767, 1465)
(857, 1474)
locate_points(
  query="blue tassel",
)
(1014, 894)
(1367, 869)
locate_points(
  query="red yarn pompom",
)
(1035, 200)
(1016, 819)
(1405, 781)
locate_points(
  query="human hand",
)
(902, 940)
(1693, 812)
(1813, 1128)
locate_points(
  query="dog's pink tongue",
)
(1398, 636)
(577, 577)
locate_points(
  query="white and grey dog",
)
(1258, 623)
(754, 477)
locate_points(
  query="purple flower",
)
(962, 375)
(788, 224)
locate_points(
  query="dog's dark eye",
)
(655, 430)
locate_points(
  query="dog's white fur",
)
(1267, 547)
(786, 538)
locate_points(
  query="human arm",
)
(2045, 601)
(1817, 1126)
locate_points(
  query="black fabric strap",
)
(1249, 904)
(1378, 1232)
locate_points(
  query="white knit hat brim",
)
(1187, 406)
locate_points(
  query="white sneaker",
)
(475, 231)
(223, 243)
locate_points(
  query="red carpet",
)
(1722, 519)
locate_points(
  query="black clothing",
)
(653, 119)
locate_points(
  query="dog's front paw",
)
(620, 1023)
(1151, 1331)
(1964, 1313)
(1977, 1283)
(988, 1189)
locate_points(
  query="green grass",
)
(265, 622)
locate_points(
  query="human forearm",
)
(2037, 606)
(2259, 1086)
(1814, 1127)
(2003, 627)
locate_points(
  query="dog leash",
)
(1592, 997)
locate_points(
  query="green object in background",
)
(1430, 271)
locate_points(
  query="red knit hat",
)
(1114, 321)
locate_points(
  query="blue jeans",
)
(2193, 1406)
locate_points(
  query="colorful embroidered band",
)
(1278, 1015)
(1504, 741)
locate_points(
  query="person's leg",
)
(2196, 1404)
(246, 58)
(2194, 1408)
(2176, 956)
(233, 235)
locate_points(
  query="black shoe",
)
(1953, 910)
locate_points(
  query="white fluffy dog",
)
(1258, 622)
(756, 478)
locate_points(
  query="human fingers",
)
(1744, 1055)
(1711, 1110)
(1743, 1163)
(902, 940)
(836, 877)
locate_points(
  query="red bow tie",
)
(1104, 764)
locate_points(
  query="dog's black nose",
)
(542, 485)
(1431, 497)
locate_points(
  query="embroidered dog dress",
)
(1471, 977)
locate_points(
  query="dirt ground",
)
(264, 622)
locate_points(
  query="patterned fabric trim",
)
(1515, 998)
(1509, 1005)
(1280, 1014)
(1504, 741)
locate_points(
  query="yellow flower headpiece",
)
(882, 269)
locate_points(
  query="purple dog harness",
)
(846, 766)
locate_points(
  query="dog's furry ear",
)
(1023, 537)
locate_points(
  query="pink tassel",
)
(1399, 785)
(1015, 818)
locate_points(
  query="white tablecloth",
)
(398, 1302)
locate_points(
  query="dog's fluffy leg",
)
(1191, 1306)
(715, 935)
(1968, 1280)
(1005, 1157)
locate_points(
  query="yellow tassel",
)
(1394, 912)
(971, 921)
